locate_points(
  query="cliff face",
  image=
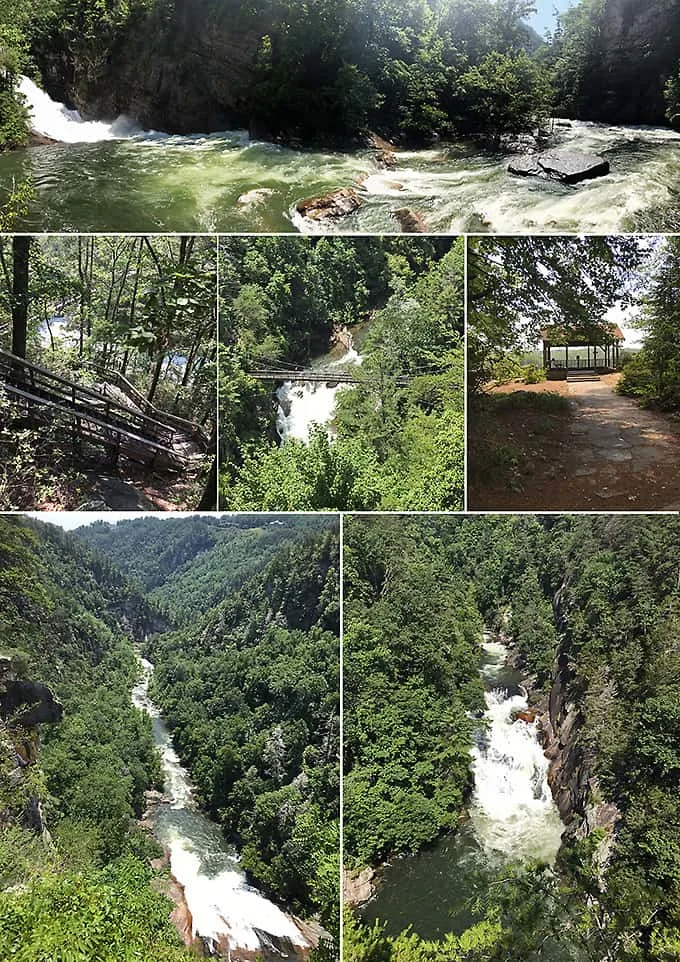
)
(23, 706)
(571, 776)
(635, 50)
(180, 73)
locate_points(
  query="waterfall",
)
(304, 403)
(513, 812)
(227, 912)
(57, 121)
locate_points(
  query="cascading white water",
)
(304, 403)
(55, 120)
(513, 812)
(225, 910)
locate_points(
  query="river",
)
(512, 818)
(301, 404)
(117, 177)
(226, 910)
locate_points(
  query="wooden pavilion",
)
(595, 349)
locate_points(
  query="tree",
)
(21, 247)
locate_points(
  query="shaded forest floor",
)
(41, 475)
(578, 446)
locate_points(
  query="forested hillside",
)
(107, 370)
(67, 842)
(250, 686)
(588, 608)
(249, 682)
(334, 70)
(393, 437)
(618, 61)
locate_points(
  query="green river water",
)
(147, 181)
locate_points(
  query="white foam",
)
(222, 905)
(310, 402)
(57, 121)
(513, 812)
(226, 905)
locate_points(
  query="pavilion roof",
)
(562, 334)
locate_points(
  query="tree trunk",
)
(20, 259)
(208, 500)
(155, 379)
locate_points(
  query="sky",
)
(544, 18)
(76, 519)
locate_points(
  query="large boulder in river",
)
(337, 203)
(569, 166)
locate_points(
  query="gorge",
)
(229, 917)
(476, 856)
(83, 810)
(511, 818)
(115, 176)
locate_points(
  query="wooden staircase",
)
(587, 374)
(160, 441)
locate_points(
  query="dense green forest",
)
(653, 375)
(333, 69)
(107, 369)
(74, 870)
(396, 438)
(589, 607)
(249, 680)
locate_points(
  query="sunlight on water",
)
(222, 904)
(115, 176)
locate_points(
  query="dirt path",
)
(612, 455)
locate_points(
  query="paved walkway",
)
(610, 455)
(621, 456)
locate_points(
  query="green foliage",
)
(398, 441)
(653, 375)
(410, 660)
(672, 95)
(518, 286)
(110, 915)
(506, 94)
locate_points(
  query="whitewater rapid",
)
(225, 910)
(56, 121)
(512, 811)
(305, 403)
(116, 176)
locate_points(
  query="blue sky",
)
(544, 19)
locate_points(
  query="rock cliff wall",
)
(184, 72)
(637, 48)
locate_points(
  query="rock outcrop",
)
(25, 704)
(410, 221)
(182, 68)
(632, 51)
(358, 887)
(569, 166)
(331, 206)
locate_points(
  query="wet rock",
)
(40, 140)
(526, 166)
(569, 166)
(529, 716)
(337, 203)
(409, 221)
(358, 887)
(256, 196)
(573, 166)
